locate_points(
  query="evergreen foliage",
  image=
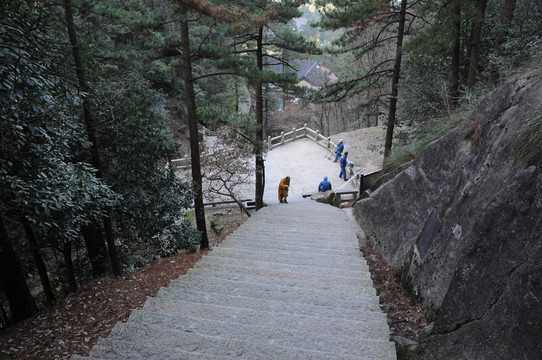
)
(510, 42)
(48, 186)
(504, 46)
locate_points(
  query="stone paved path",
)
(290, 283)
(305, 162)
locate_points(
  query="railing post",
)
(305, 130)
(293, 132)
(269, 147)
(328, 142)
(316, 136)
(282, 138)
(360, 186)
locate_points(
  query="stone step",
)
(261, 345)
(338, 343)
(130, 350)
(298, 216)
(295, 215)
(270, 240)
(290, 283)
(325, 279)
(317, 231)
(285, 257)
(127, 350)
(322, 239)
(311, 269)
(370, 326)
(307, 295)
(299, 240)
(271, 302)
(293, 222)
(174, 305)
(364, 285)
(307, 205)
(299, 245)
(329, 247)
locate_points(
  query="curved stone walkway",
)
(305, 162)
(290, 283)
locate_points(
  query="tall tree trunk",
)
(38, 261)
(265, 128)
(328, 115)
(236, 82)
(395, 79)
(4, 318)
(95, 245)
(90, 124)
(260, 171)
(193, 128)
(285, 60)
(475, 42)
(68, 262)
(173, 71)
(111, 247)
(456, 53)
(368, 115)
(507, 16)
(13, 282)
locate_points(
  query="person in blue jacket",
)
(325, 185)
(343, 163)
(339, 150)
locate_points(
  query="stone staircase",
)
(290, 283)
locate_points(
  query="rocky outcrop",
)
(324, 197)
(462, 227)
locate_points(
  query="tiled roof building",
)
(313, 75)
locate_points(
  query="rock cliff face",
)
(462, 227)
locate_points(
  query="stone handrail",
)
(271, 143)
(180, 163)
(325, 142)
(184, 162)
(283, 138)
(352, 178)
(303, 132)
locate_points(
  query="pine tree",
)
(261, 43)
(384, 23)
(193, 127)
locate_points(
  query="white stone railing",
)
(181, 163)
(270, 143)
(184, 162)
(353, 171)
(304, 132)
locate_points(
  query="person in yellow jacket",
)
(283, 189)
